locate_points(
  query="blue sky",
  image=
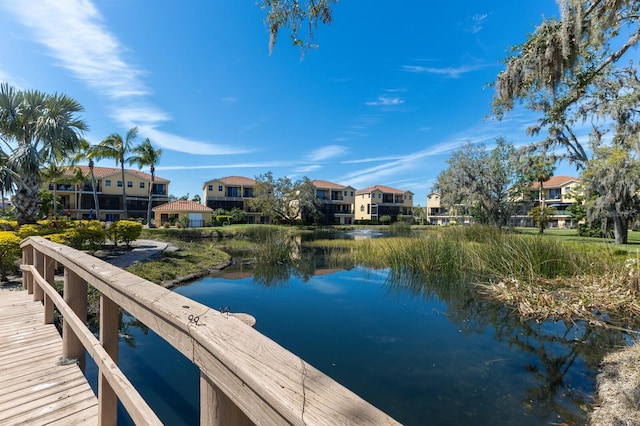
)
(392, 90)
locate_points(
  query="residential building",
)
(559, 192)
(78, 202)
(376, 201)
(337, 202)
(439, 215)
(199, 215)
(231, 192)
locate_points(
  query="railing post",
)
(109, 324)
(49, 274)
(38, 263)
(27, 259)
(75, 295)
(216, 408)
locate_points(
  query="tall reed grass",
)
(471, 253)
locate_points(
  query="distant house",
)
(337, 202)
(199, 215)
(559, 192)
(437, 214)
(109, 186)
(231, 192)
(373, 202)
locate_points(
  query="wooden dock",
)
(36, 388)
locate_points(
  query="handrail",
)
(245, 377)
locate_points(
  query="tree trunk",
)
(620, 229)
(542, 224)
(95, 192)
(124, 193)
(26, 200)
(150, 198)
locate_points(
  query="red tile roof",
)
(556, 181)
(233, 180)
(381, 188)
(322, 184)
(182, 206)
(102, 172)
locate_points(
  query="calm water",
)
(425, 354)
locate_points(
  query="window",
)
(107, 182)
(129, 184)
(352, 193)
(368, 195)
(141, 185)
(345, 193)
(219, 188)
(567, 189)
(119, 184)
(210, 187)
(362, 207)
(379, 195)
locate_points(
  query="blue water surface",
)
(425, 356)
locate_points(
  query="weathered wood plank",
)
(34, 388)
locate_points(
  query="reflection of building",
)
(374, 202)
(77, 197)
(336, 202)
(231, 192)
(439, 215)
(559, 193)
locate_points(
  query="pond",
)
(425, 353)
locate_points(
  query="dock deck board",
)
(35, 388)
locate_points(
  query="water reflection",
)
(424, 351)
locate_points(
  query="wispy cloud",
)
(387, 101)
(77, 37)
(451, 72)
(307, 169)
(327, 152)
(477, 22)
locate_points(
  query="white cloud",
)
(77, 37)
(385, 100)
(451, 72)
(307, 169)
(327, 152)
(477, 22)
(182, 144)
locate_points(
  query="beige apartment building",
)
(373, 202)
(439, 215)
(78, 201)
(559, 192)
(337, 202)
(231, 192)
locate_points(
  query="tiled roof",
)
(322, 184)
(182, 206)
(556, 181)
(381, 188)
(233, 180)
(102, 172)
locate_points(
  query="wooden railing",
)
(245, 378)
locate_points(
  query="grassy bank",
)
(555, 275)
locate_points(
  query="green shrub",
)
(124, 231)
(9, 253)
(86, 235)
(8, 225)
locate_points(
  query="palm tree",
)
(53, 174)
(77, 180)
(87, 152)
(117, 148)
(7, 184)
(44, 128)
(146, 155)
